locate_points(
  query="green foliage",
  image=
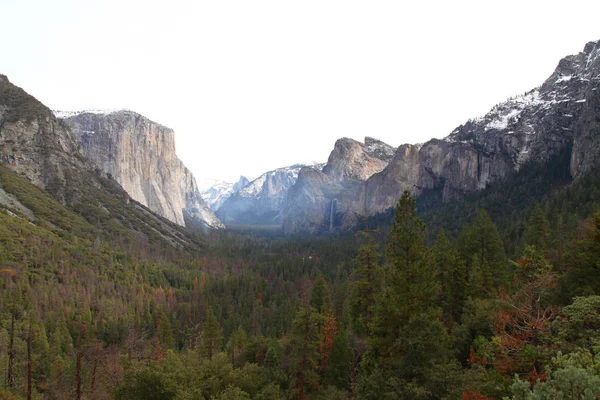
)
(20, 105)
(578, 324)
(408, 339)
(366, 286)
(320, 300)
(571, 377)
(582, 260)
(338, 370)
(452, 275)
(304, 352)
(538, 230)
(480, 245)
(184, 376)
(211, 334)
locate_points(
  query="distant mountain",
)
(530, 128)
(220, 191)
(140, 155)
(259, 202)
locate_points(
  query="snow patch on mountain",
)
(220, 191)
(67, 114)
(287, 176)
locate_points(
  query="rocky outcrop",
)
(260, 202)
(140, 155)
(354, 160)
(35, 144)
(531, 127)
(314, 202)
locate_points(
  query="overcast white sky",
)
(252, 85)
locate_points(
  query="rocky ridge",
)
(314, 201)
(220, 191)
(563, 111)
(259, 202)
(140, 155)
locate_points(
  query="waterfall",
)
(332, 213)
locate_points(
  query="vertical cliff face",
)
(531, 127)
(140, 155)
(339, 187)
(34, 143)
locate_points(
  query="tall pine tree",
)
(452, 275)
(366, 286)
(408, 338)
(482, 239)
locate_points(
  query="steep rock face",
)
(527, 128)
(354, 160)
(218, 193)
(317, 197)
(140, 155)
(260, 201)
(37, 145)
(34, 143)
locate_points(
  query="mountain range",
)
(359, 179)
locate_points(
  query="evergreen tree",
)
(338, 369)
(320, 300)
(304, 351)
(453, 279)
(408, 338)
(482, 238)
(480, 284)
(538, 230)
(366, 286)
(238, 342)
(211, 334)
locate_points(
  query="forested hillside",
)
(92, 309)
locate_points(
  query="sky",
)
(249, 86)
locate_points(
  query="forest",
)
(504, 305)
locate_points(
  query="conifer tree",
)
(338, 369)
(366, 286)
(452, 274)
(538, 230)
(320, 300)
(211, 334)
(238, 343)
(482, 238)
(304, 350)
(408, 337)
(480, 284)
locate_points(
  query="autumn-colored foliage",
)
(330, 329)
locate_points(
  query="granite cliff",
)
(42, 148)
(140, 155)
(37, 145)
(317, 197)
(529, 128)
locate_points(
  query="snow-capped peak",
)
(285, 177)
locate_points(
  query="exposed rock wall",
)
(140, 155)
(38, 145)
(350, 164)
(527, 128)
